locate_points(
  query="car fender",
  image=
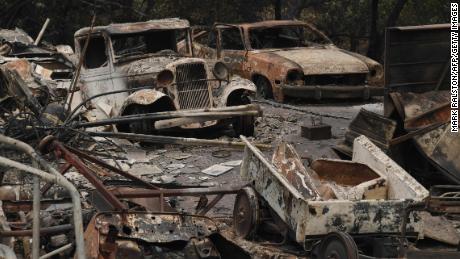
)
(144, 97)
(237, 83)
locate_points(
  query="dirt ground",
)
(183, 165)
(186, 165)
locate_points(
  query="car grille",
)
(192, 92)
(346, 79)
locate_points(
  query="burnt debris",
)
(147, 142)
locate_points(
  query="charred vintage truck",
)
(134, 68)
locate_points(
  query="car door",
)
(231, 48)
(204, 42)
(98, 74)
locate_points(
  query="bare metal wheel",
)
(140, 126)
(264, 88)
(338, 245)
(244, 125)
(246, 213)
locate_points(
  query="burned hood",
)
(314, 61)
(150, 65)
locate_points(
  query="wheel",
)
(139, 126)
(264, 88)
(244, 125)
(246, 213)
(338, 245)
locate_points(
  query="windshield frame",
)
(305, 25)
(116, 58)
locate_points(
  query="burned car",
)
(42, 71)
(140, 63)
(34, 82)
(291, 58)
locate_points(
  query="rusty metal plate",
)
(154, 227)
(442, 148)
(138, 27)
(444, 199)
(419, 110)
(290, 166)
(379, 129)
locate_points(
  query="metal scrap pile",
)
(72, 190)
(415, 127)
(34, 82)
(119, 213)
(419, 138)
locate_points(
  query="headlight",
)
(294, 76)
(165, 78)
(220, 71)
(375, 75)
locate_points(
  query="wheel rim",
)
(246, 213)
(263, 88)
(338, 245)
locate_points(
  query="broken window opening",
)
(206, 37)
(96, 55)
(212, 39)
(146, 43)
(231, 39)
(285, 37)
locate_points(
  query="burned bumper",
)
(332, 91)
(182, 118)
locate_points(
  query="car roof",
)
(268, 23)
(137, 27)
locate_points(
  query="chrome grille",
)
(192, 86)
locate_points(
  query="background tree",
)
(358, 25)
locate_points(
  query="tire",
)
(244, 125)
(338, 245)
(264, 88)
(246, 213)
(140, 126)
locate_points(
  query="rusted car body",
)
(365, 196)
(134, 55)
(291, 58)
(154, 235)
(29, 74)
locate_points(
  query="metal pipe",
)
(26, 205)
(101, 163)
(58, 179)
(210, 205)
(174, 115)
(57, 251)
(135, 193)
(80, 63)
(62, 171)
(42, 231)
(42, 32)
(72, 114)
(243, 110)
(62, 152)
(25, 240)
(173, 140)
(36, 217)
